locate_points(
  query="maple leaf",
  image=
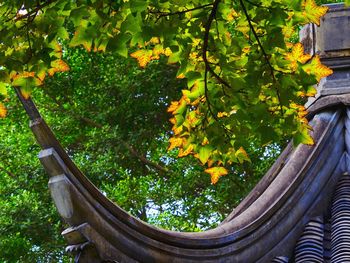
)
(3, 110)
(186, 152)
(242, 155)
(177, 130)
(167, 52)
(303, 137)
(58, 65)
(143, 57)
(312, 12)
(157, 51)
(222, 114)
(180, 76)
(173, 106)
(232, 15)
(26, 81)
(25, 74)
(216, 173)
(288, 30)
(41, 75)
(175, 142)
(316, 68)
(297, 55)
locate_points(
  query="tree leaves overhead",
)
(244, 75)
(216, 173)
(313, 12)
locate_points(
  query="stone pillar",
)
(331, 41)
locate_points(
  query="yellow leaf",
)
(315, 67)
(154, 40)
(210, 162)
(312, 12)
(143, 57)
(297, 55)
(157, 51)
(168, 52)
(175, 142)
(3, 110)
(24, 74)
(3, 89)
(57, 49)
(186, 152)
(288, 30)
(311, 92)
(216, 173)
(58, 65)
(205, 141)
(177, 130)
(192, 118)
(181, 76)
(242, 155)
(172, 121)
(173, 106)
(41, 75)
(178, 107)
(232, 15)
(26, 93)
(303, 137)
(222, 114)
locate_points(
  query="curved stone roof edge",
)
(270, 220)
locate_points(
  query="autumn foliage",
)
(247, 77)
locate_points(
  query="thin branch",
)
(207, 64)
(204, 54)
(206, 43)
(266, 56)
(259, 5)
(29, 43)
(144, 160)
(130, 148)
(35, 10)
(8, 172)
(256, 4)
(163, 14)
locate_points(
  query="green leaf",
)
(138, 5)
(62, 33)
(3, 88)
(303, 137)
(78, 14)
(204, 153)
(119, 44)
(242, 155)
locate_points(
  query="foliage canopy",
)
(246, 79)
(123, 150)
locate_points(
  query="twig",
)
(267, 59)
(204, 54)
(35, 10)
(162, 14)
(131, 149)
(8, 172)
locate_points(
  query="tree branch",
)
(267, 59)
(130, 148)
(206, 43)
(35, 10)
(8, 172)
(163, 14)
(143, 159)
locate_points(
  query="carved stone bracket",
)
(82, 249)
